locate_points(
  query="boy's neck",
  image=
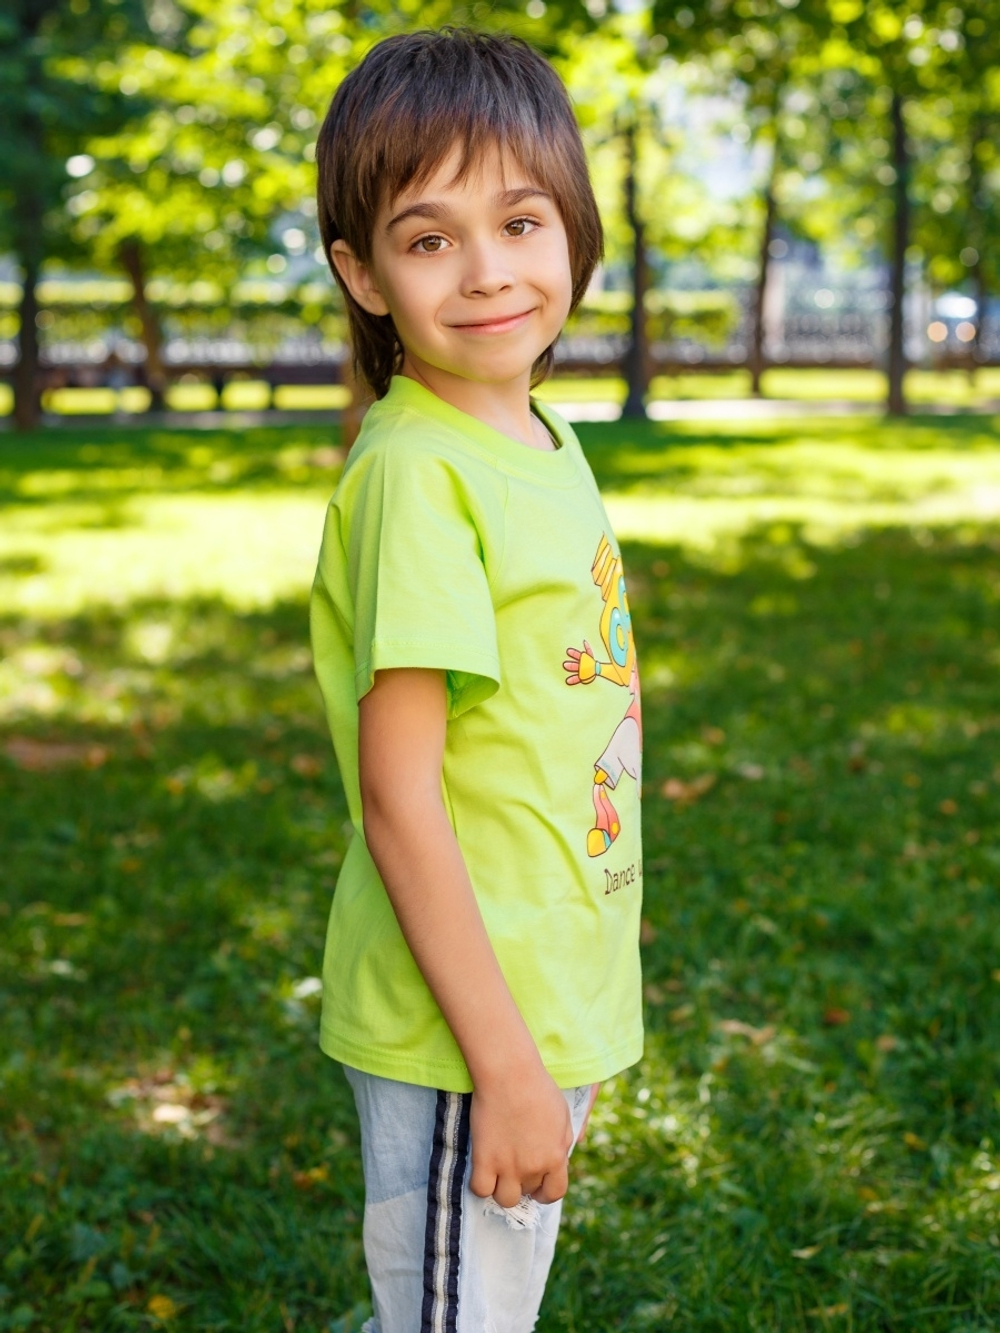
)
(504, 406)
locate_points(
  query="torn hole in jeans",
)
(522, 1217)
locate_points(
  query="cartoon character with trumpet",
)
(624, 751)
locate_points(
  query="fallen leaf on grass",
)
(306, 765)
(305, 1180)
(676, 789)
(647, 931)
(70, 919)
(713, 735)
(752, 772)
(653, 994)
(682, 1013)
(835, 1018)
(734, 1027)
(807, 1252)
(828, 1311)
(42, 756)
(161, 1307)
(948, 807)
(914, 1141)
(887, 1042)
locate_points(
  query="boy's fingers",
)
(482, 1182)
(553, 1186)
(507, 1192)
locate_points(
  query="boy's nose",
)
(486, 273)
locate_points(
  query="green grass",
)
(811, 1140)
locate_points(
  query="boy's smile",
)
(476, 275)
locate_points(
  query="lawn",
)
(812, 1140)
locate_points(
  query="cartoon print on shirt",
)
(624, 751)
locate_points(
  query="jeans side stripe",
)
(443, 1231)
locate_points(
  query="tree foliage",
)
(51, 105)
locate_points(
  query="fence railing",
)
(805, 325)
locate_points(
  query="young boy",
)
(482, 966)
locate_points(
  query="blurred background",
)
(805, 185)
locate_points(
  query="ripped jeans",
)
(440, 1259)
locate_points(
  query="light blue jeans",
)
(440, 1259)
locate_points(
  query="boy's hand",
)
(521, 1138)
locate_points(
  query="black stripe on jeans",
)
(443, 1228)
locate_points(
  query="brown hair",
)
(395, 118)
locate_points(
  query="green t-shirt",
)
(449, 545)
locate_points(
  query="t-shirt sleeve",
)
(418, 580)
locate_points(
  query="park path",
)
(660, 409)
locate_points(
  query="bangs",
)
(414, 129)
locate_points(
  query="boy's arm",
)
(521, 1129)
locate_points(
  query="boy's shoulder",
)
(395, 434)
(412, 427)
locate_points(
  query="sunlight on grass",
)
(828, 480)
(155, 528)
(249, 550)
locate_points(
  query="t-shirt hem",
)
(452, 1076)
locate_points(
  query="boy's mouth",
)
(495, 324)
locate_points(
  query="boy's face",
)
(475, 273)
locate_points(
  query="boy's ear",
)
(358, 279)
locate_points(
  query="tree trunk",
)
(976, 353)
(26, 379)
(637, 355)
(900, 242)
(756, 358)
(152, 336)
(977, 238)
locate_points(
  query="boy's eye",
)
(519, 226)
(430, 245)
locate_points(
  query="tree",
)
(761, 53)
(614, 77)
(904, 52)
(50, 107)
(958, 222)
(198, 186)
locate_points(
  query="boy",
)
(482, 970)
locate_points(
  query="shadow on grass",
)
(809, 1136)
(115, 462)
(95, 466)
(827, 460)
